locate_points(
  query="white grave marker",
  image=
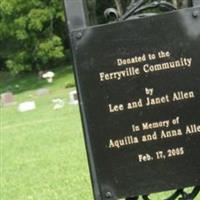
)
(73, 97)
(27, 106)
(58, 104)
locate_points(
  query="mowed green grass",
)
(42, 151)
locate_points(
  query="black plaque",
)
(139, 88)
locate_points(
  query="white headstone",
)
(27, 106)
(73, 97)
(58, 104)
(48, 76)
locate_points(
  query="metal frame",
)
(77, 18)
(76, 14)
(179, 194)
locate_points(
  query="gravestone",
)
(42, 92)
(139, 89)
(7, 99)
(73, 97)
(27, 106)
(58, 104)
(48, 76)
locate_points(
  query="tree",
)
(92, 11)
(29, 37)
(32, 33)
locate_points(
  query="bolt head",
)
(108, 195)
(79, 35)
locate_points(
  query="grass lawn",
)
(42, 151)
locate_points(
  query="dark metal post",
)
(76, 14)
(196, 2)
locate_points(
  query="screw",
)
(79, 35)
(108, 195)
(195, 13)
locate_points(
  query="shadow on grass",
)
(30, 81)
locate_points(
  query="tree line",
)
(33, 34)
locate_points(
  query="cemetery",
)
(119, 120)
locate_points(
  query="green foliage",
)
(29, 38)
(32, 33)
(24, 82)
